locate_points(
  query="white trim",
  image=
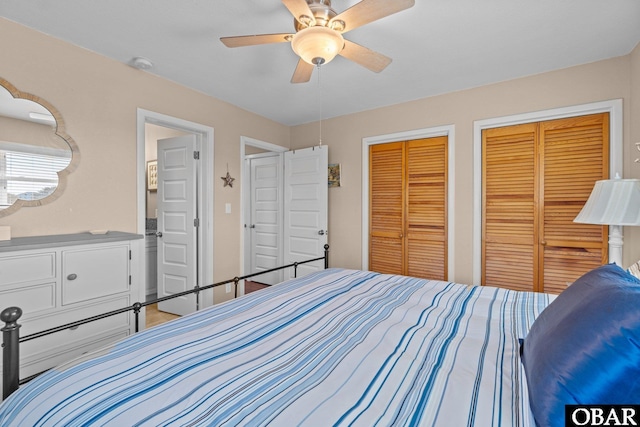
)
(204, 136)
(245, 140)
(613, 107)
(449, 131)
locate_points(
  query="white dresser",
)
(60, 279)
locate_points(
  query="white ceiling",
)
(437, 46)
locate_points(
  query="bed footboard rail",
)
(11, 338)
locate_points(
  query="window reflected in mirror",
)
(36, 154)
(28, 172)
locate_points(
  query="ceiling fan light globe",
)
(315, 43)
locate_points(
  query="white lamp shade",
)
(612, 202)
(317, 42)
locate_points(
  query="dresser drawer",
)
(50, 350)
(41, 323)
(44, 360)
(32, 299)
(27, 268)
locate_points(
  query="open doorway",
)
(152, 127)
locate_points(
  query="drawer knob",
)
(72, 276)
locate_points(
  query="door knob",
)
(321, 232)
(159, 233)
(253, 226)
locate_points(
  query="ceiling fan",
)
(318, 37)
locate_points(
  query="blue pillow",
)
(584, 348)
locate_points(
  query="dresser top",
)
(41, 242)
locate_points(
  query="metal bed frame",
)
(11, 331)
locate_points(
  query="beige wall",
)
(98, 99)
(23, 132)
(605, 80)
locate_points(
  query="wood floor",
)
(155, 317)
(250, 286)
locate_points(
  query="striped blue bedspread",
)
(337, 347)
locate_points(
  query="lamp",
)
(317, 45)
(613, 202)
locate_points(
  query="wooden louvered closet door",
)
(386, 208)
(408, 208)
(536, 178)
(509, 221)
(575, 154)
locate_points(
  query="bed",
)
(336, 347)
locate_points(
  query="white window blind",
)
(28, 175)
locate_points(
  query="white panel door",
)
(265, 224)
(305, 207)
(177, 239)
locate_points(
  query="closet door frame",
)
(613, 107)
(449, 132)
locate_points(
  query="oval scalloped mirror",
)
(36, 154)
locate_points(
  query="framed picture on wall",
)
(334, 175)
(152, 175)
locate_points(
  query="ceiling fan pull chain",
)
(320, 103)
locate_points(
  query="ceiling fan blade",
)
(364, 56)
(303, 72)
(368, 11)
(299, 9)
(239, 41)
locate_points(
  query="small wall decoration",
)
(334, 175)
(152, 175)
(228, 181)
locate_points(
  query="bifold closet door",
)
(386, 208)
(575, 154)
(536, 177)
(426, 208)
(509, 220)
(408, 200)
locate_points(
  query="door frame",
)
(449, 132)
(245, 193)
(613, 107)
(205, 138)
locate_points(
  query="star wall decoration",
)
(228, 181)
